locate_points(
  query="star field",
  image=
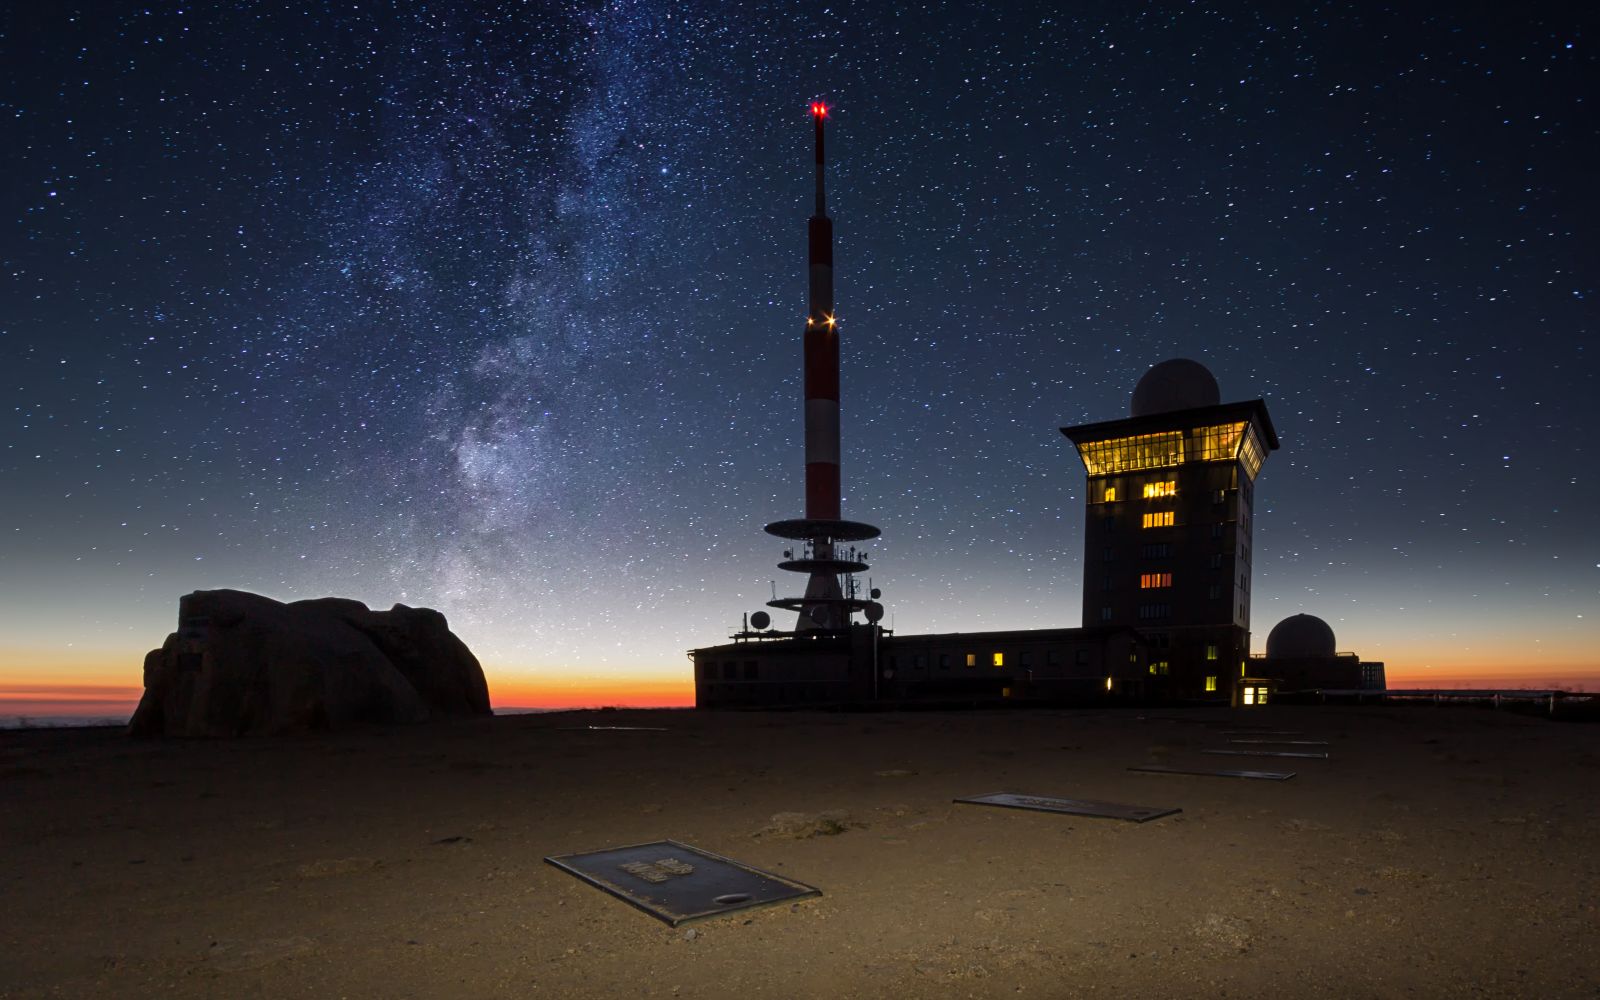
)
(497, 309)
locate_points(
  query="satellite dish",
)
(874, 612)
(876, 593)
(761, 619)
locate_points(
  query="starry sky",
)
(496, 308)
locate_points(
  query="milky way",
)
(497, 310)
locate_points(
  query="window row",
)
(995, 659)
(729, 670)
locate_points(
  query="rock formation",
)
(244, 664)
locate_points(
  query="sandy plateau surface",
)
(1438, 852)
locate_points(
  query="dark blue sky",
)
(496, 308)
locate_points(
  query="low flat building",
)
(1065, 665)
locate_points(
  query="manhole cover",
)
(1261, 775)
(1074, 807)
(678, 883)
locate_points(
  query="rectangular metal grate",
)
(1280, 743)
(1073, 807)
(1269, 753)
(678, 883)
(1221, 773)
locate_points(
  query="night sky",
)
(497, 309)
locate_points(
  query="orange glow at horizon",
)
(107, 683)
(71, 682)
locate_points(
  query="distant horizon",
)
(39, 705)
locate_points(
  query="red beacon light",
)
(818, 109)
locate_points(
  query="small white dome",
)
(1177, 384)
(1300, 636)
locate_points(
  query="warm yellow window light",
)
(999, 659)
(1249, 696)
(972, 659)
(1211, 683)
(1165, 449)
(1166, 489)
(1211, 652)
(1108, 684)
(1158, 519)
(1148, 581)
(1111, 494)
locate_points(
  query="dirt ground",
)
(1438, 852)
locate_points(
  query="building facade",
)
(1168, 525)
(1062, 666)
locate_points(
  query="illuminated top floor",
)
(1229, 432)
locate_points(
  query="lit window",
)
(1111, 494)
(1211, 683)
(1211, 652)
(1158, 519)
(999, 659)
(1164, 449)
(972, 659)
(1166, 489)
(1149, 581)
(1158, 668)
(1249, 696)
(1108, 684)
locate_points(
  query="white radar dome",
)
(1178, 384)
(1300, 636)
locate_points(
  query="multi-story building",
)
(1167, 526)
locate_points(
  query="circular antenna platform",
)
(760, 620)
(823, 565)
(814, 528)
(801, 603)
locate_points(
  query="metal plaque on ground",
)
(1075, 807)
(678, 883)
(1268, 753)
(1281, 743)
(1260, 775)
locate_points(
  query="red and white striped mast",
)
(827, 605)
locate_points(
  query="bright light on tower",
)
(819, 109)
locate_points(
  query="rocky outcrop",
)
(243, 664)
